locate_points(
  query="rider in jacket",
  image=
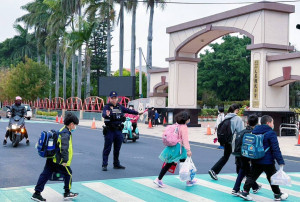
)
(17, 110)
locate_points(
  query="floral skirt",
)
(173, 154)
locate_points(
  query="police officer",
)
(113, 114)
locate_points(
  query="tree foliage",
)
(226, 69)
(29, 80)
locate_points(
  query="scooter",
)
(16, 130)
(127, 131)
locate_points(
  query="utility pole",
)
(140, 74)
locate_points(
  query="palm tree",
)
(151, 4)
(104, 11)
(132, 6)
(25, 40)
(82, 37)
(121, 39)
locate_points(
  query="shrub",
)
(47, 113)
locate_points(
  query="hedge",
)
(47, 113)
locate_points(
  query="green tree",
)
(226, 69)
(29, 80)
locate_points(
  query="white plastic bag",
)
(187, 170)
(281, 178)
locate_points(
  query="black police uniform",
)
(113, 131)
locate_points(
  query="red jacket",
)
(134, 118)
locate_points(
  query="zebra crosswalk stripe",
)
(111, 192)
(181, 194)
(50, 194)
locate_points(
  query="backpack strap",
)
(267, 149)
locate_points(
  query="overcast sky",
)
(172, 14)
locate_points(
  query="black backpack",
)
(237, 150)
(224, 132)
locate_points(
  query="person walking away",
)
(61, 162)
(172, 154)
(243, 163)
(220, 118)
(236, 125)
(113, 114)
(156, 117)
(267, 163)
(151, 115)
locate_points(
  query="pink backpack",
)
(170, 136)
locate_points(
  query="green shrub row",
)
(226, 103)
(46, 113)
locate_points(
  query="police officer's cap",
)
(113, 94)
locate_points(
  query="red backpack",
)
(170, 136)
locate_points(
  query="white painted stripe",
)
(265, 186)
(49, 194)
(111, 192)
(293, 182)
(178, 193)
(228, 190)
(295, 175)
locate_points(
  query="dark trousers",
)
(223, 160)
(51, 167)
(256, 171)
(134, 125)
(165, 169)
(116, 137)
(244, 170)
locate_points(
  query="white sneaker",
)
(159, 183)
(280, 197)
(246, 196)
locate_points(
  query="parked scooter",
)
(16, 129)
(128, 133)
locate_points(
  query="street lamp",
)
(298, 26)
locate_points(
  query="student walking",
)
(235, 125)
(267, 163)
(61, 162)
(220, 118)
(156, 117)
(179, 152)
(243, 163)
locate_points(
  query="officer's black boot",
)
(119, 167)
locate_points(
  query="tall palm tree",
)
(151, 5)
(25, 40)
(104, 11)
(121, 39)
(132, 6)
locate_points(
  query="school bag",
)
(170, 136)
(253, 147)
(224, 132)
(47, 144)
(237, 149)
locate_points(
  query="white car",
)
(29, 111)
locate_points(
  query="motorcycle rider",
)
(17, 110)
(134, 119)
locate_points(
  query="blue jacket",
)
(270, 140)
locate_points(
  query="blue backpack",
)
(253, 147)
(47, 145)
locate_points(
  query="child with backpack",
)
(179, 152)
(232, 124)
(267, 162)
(61, 162)
(243, 163)
(220, 118)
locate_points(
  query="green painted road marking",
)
(143, 189)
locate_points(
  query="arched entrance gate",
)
(272, 66)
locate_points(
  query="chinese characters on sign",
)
(255, 101)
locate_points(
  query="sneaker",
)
(220, 147)
(27, 142)
(280, 197)
(159, 183)
(37, 197)
(255, 191)
(245, 196)
(190, 183)
(104, 168)
(236, 193)
(213, 174)
(119, 167)
(70, 195)
(4, 142)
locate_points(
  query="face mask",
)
(73, 129)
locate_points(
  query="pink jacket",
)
(134, 118)
(184, 136)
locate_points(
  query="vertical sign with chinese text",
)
(255, 93)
